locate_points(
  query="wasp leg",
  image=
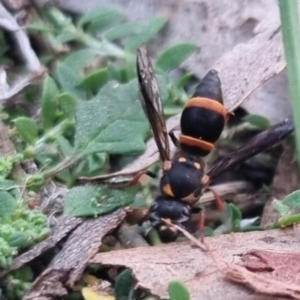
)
(205, 181)
(174, 138)
(138, 175)
(218, 200)
(166, 165)
(201, 225)
(227, 116)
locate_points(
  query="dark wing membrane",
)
(151, 102)
(257, 144)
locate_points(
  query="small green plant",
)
(20, 228)
(289, 16)
(178, 291)
(289, 209)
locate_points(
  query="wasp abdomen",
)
(203, 118)
(210, 87)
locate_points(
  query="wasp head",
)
(176, 211)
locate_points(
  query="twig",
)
(226, 189)
(21, 83)
(8, 22)
(35, 68)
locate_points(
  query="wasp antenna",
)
(210, 87)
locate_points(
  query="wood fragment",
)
(68, 265)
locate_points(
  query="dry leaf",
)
(284, 266)
(269, 272)
(89, 294)
(202, 272)
(97, 289)
(68, 265)
(262, 284)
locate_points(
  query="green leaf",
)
(68, 80)
(48, 102)
(94, 81)
(127, 73)
(68, 104)
(6, 165)
(27, 129)
(292, 200)
(123, 285)
(122, 30)
(18, 239)
(178, 291)
(280, 207)
(208, 231)
(35, 182)
(77, 60)
(146, 33)
(67, 36)
(172, 57)
(7, 203)
(171, 110)
(258, 121)
(112, 122)
(56, 17)
(91, 165)
(103, 16)
(7, 185)
(113, 71)
(40, 26)
(183, 80)
(288, 220)
(84, 201)
(235, 217)
(65, 146)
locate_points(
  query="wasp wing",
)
(257, 144)
(151, 102)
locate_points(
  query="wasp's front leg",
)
(166, 165)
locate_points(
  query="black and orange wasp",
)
(202, 122)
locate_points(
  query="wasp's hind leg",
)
(218, 200)
(138, 175)
(205, 182)
(200, 222)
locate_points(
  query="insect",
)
(202, 122)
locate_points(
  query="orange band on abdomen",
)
(190, 141)
(207, 103)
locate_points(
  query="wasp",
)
(202, 122)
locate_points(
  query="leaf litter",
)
(68, 265)
(209, 274)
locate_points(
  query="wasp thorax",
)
(183, 179)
